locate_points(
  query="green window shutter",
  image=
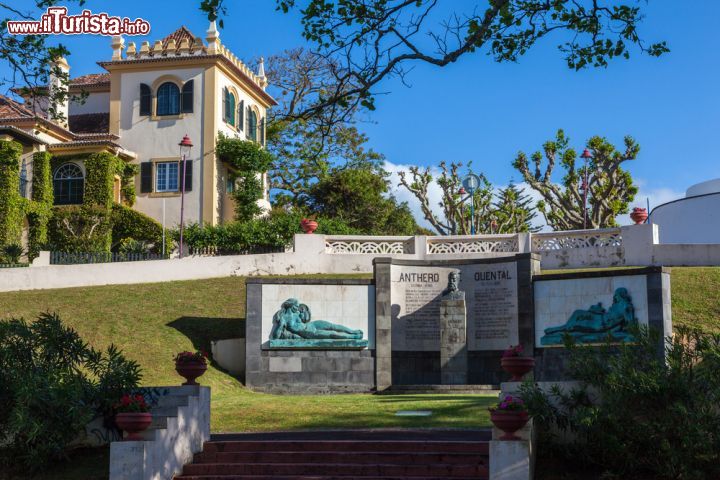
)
(146, 177)
(225, 99)
(262, 131)
(241, 114)
(186, 100)
(188, 174)
(145, 100)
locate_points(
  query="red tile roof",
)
(91, 79)
(179, 35)
(9, 108)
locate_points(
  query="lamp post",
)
(470, 183)
(586, 155)
(185, 148)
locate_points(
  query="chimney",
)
(55, 85)
(118, 44)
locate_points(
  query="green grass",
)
(696, 297)
(152, 322)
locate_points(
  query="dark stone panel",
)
(415, 368)
(484, 368)
(600, 273)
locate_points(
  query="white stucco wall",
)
(96, 102)
(689, 220)
(158, 138)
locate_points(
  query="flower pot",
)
(308, 226)
(639, 215)
(190, 370)
(133, 423)
(509, 421)
(517, 366)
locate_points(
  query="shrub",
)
(80, 229)
(129, 224)
(11, 253)
(654, 417)
(53, 383)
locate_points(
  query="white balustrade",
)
(368, 245)
(574, 239)
(472, 244)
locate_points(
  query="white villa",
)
(148, 99)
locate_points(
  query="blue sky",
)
(485, 112)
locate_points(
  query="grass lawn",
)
(152, 322)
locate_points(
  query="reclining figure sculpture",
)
(293, 322)
(595, 324)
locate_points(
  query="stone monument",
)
(453, 334)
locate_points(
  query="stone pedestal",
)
(453, 340)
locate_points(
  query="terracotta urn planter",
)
(509, 422)
(639, 215)
(133, 423)
(517, 366)
(190, 371)
(308, 226)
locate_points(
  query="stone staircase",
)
(369, 455)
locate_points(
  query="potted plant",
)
(132, 415)
(191, 365)
(510, 415)
(515, 364)
(639, 215)
(309, 224)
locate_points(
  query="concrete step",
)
(340, 470)
(451, 389)
(296, 477)
(165, 411)
(306, 457)
(172, 401)
(395, 446)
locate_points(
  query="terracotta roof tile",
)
(91, 79)
(89, 123)
(9, 108)
(179, 35)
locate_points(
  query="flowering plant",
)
(513, 351)
(131, 404)
(510, 404)
(191, 357)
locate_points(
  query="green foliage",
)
(40, 208)
(53, 385)
(358, 198)
(80, 229)
(248, 161)
(129, 224)
(11, 253)
(610, 188)
(100, 171)
(12, 206)
(127, 174)
(654, 418)
(513, 211)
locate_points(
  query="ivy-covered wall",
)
(11, 203)
(14, 209)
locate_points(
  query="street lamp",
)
(185, 148)
(586, 155)
(470, 183)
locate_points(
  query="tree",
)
(456, 217)
(358, 197)
(306, 148)
(610, 188)
(514, 211)
(367, 41)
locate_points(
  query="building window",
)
(68, 184)
(229, 185)
(252, 125)
(166, 177)
(23, 179)
(168, 99)
(229, 107)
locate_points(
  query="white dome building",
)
(693, 219)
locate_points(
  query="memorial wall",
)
(492, 305)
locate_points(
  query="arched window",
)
(68, 184)
(229, 107)
(252, 125)
(168, 99)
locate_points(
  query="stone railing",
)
(473, 244)
(571, 239)
(336, 244)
